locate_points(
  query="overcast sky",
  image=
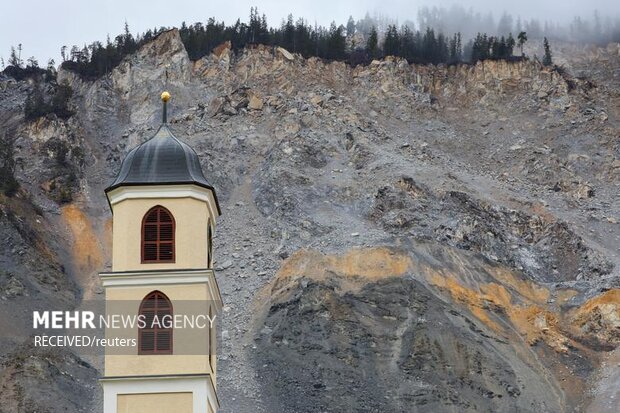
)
(42, 27)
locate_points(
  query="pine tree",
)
(336, 42)
(350, 26)
(391, 44)
(75, 54)
(452, 54)
(302, 37)
(288, 34)
(501, 48)
(407, 44)
(547, 60)
(510, 45)
(50, 70)
(84, 55)
(129, 43)
(254, 25)
(442, 54)
(13, 59)
(522, 38)
(33, 62)
(429, 46)
(372, 45)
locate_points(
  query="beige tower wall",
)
(190, 346)
(155, 402)
(159, 394)
(191, 220)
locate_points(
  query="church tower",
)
(164, 214)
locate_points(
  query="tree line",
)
(296, 36)
(357, 43)
(353, 42)
(46, 96)
(96, 59)
(416, 47)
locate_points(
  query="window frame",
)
(158, 242)
(158, 295)
(209, 244)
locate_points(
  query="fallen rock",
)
(316, 100)
(225, 265)
(13, 288)
(216, 106)
(285, 53)
(584, 191)
(255, 103)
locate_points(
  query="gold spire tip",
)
(165, 96)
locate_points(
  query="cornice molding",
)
(164, 277)
(124, 193)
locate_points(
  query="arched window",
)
(156, 312)
(158, 236)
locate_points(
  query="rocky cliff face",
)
(393, 237)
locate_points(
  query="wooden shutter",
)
(155, 339)
(158, 228)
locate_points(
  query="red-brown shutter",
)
(158, 228)
(155, 339)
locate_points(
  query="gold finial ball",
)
(165, 96)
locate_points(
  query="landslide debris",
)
(462, 220)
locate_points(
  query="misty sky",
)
(44, 26)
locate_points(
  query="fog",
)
(43, 27)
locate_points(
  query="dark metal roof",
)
(163, 159)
